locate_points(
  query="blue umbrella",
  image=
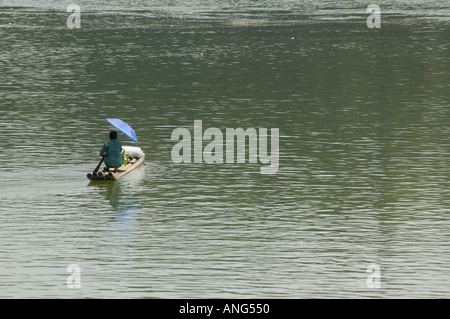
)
(124, 128)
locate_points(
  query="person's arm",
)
(103, 151)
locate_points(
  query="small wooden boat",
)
(121, 171)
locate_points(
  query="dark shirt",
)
(112, 148)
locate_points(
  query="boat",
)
(121, 171)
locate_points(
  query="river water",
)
(363, 149)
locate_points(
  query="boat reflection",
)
(124, 211)
(124, 206)
(112, 191)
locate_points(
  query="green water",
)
(363, 164)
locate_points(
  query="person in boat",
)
(111, 150)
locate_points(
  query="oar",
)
(98, 166)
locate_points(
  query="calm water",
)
(364, 149)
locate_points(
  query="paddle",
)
(98, 166)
